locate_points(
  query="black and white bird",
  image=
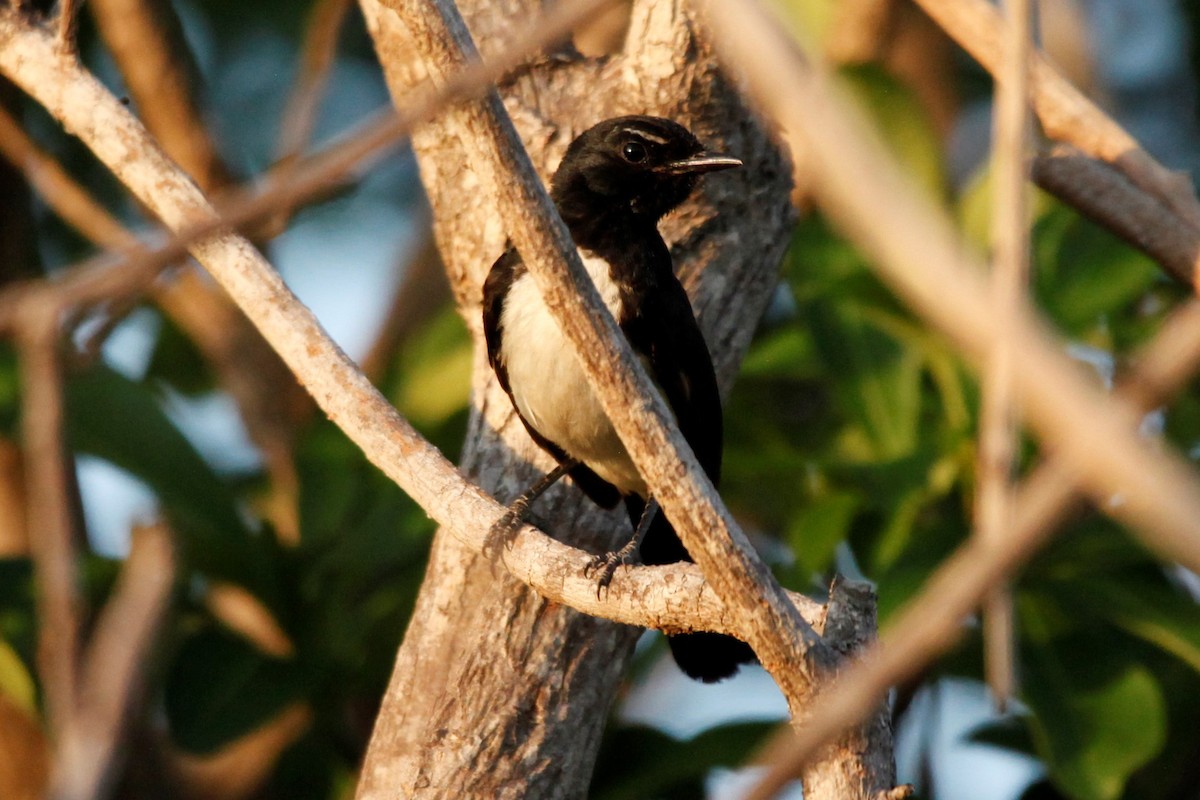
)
(615, 182)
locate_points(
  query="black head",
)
(640, 165)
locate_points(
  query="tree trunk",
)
(496, 691)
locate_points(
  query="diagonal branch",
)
(114, 667)
(1065, 114)
(785, 644)
(1010, 274)
(918, 253)
(635, 596)
(53, 536)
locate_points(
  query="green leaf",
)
(121, 421)
(879, 380)
(639, 762)
(219, 688)
(16, 683)
(815, 531)
(177, 361)
(1083, 274)
(434, 380)
(903, 123)
(1095, 721)
(1157, 614)
(10, 388)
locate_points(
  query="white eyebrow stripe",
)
(649, 137)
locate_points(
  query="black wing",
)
(507, 269)
(664, 329)
(666, 332)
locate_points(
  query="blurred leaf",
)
(18, 624)
(786, 351)
(1095, 720)
(1165, 618)
(177, 361)
(639, 762)
(1083, 274)
(880, 381)
(435, 371)
(121, 421)
(902, 122)
(220, 687)
(816, 530)
(16, 682)
(10, 388)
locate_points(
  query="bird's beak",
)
(700, 163)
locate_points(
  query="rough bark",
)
(460, 718)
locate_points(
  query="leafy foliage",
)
(850, 441)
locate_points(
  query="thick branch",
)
(1103, 194)
(785, 644)
(332, 378)
(1065, 114)
(918, 254)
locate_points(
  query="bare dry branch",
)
(49, 495)
(1065, 114)
(342, 391)
(1010, 274)
(114, 668)
(147, 43)
(1105, 195)
(60, 191)
(316, 59)
(66, 23)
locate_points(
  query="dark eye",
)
(633, 152)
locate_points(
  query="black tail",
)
(707, 657)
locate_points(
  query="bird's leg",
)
(502, 531)
(605, 566)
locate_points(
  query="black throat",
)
(622, 234)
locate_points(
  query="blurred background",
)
(850, 443)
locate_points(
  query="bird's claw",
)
(605, 566)
(504, 531)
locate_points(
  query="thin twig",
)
(49, 504)
(1065, 114)
(300, 113)
(114, 668)
(147, 44)
(1010, 270)
(66, 23)
(635, 596)
(316, 58)
(60, 191)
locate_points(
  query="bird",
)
(615, 182)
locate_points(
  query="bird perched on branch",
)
(614, 184)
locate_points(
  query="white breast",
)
(548, 384)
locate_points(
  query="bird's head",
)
(646, 165)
